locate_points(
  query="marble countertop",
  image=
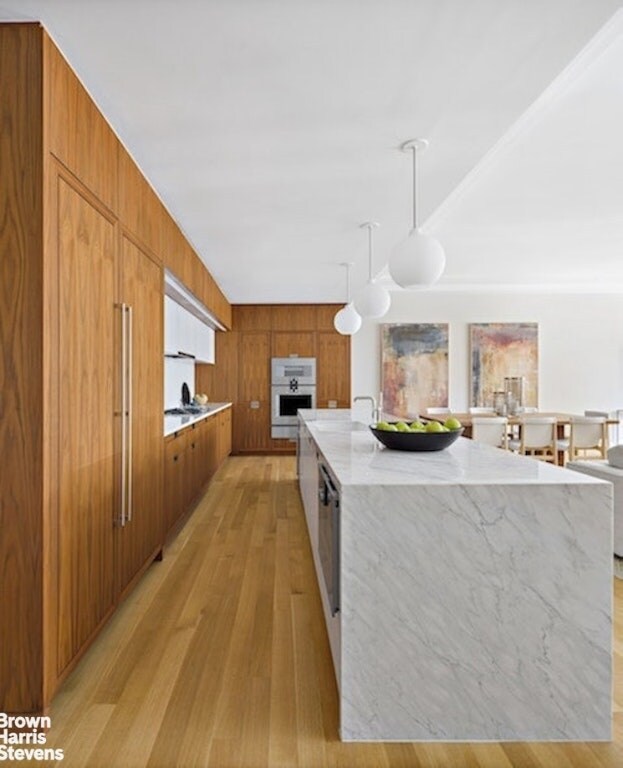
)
(174, 424)
(357, 458)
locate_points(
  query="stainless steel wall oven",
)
(293, 386)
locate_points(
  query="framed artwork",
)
(414, 367)
(498, 350)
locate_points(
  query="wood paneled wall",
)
(21, 366)
(53, 133)
(242, 370)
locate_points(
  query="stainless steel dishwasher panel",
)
(329, 536)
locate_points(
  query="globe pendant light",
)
(347, 321)
(418, 261)
(374, 300)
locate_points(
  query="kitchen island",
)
(475, 589)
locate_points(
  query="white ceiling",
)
(269, 128)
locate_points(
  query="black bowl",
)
(416, 441)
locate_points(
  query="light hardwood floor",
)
(220, 659)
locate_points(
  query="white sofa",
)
(603, 470)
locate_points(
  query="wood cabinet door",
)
(252, 428)
(77, 133)
(140, 210)
(224, 435)
(333, 370)
(175, 485)
(286, 344)
(141, 290)
(254, 366)
(211, 441)
(196, 466)
(86, 253)
(293, 317)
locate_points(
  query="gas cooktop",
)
(185, 411)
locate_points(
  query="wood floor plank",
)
(220, 658)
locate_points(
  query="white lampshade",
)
(373, 301)
(418, 261)
(347, 321)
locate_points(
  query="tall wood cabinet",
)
(139, 532)
(108, 362)
(252, 408)
(86, 283)
(83, 240)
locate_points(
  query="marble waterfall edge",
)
(476, 591)
(476, 613)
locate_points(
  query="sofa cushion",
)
(615, 456)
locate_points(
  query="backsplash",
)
(176, 372)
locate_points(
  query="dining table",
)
(562, 419)
(514, 421)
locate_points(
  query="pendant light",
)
(374, 300)
(419, 260)
(347, 321)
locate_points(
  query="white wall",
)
(176, 372)
(580, 343)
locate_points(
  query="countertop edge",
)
(359, 470)
(194, 418)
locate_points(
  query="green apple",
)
(417, 426)
(384, 426)
(452, 423)
(402, 427)
(434, 426)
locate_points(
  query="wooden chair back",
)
(588, 433)
(538, 437)
(492, 430)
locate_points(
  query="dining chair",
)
(586, 433)
(492, 430)
(480, 410)
(613, 429)
(537, 438)
(437, 411)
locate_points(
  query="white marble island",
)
(475, 590)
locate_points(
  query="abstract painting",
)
(499, 350)
(414, 367)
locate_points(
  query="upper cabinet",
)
(174, 330)
(185, 334)
(203, 337)
(77, 133)
(140, 210)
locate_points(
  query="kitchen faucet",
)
(375, 411)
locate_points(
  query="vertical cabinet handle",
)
(124, 405)
(126, 414)
(129, 379)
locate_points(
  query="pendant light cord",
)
(415, 221)
(348, 283)
(370, 252)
